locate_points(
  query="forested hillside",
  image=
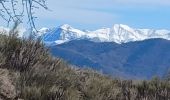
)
(140, 59)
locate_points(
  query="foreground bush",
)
(38, 76)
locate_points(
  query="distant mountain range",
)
(120, 51)
(140, 60)
(118, 33)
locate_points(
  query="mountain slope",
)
(143, 59)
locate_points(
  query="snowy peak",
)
(4, 30)
(44, 30)
(121, 26)
(65, 27)
(119, 33)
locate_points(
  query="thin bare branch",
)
(16, 9)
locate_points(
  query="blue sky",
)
(94, 14)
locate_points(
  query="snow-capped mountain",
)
(119, 33)
(3, 30)
(21, 31)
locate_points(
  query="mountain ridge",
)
(119, 33)
(141, 59)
